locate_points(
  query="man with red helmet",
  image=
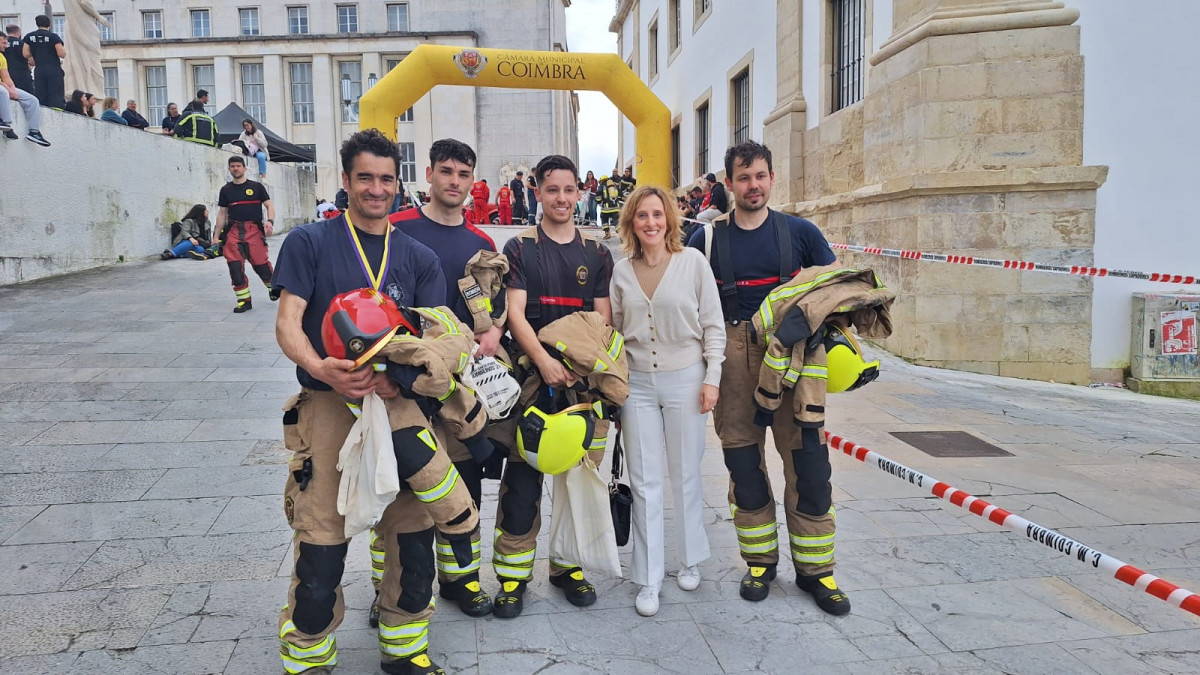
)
(317, 262)
(480, 193)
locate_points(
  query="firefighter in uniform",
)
(480, 193)
(752, 250)
(610, 203)
(244, 232)
(440, 225)
(554, 272)
(504, 205)
(318, 262)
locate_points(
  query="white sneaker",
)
(689, 578)
(647, 600)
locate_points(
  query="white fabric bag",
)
(370, 480)
(581, 527)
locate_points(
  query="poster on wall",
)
(1178, 333)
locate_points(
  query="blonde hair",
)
(629, 241)
(109, 102)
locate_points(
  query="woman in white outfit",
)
(665, 302)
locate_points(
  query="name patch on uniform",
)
(471, 292)
(581, 275)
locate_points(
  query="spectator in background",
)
(517, 186)
(254, 143)
(75, 104)
(535, 208)
(193, 236)
(197, 103)
(197, 126)
(695, 199)
(18, 65)
(172, 118)
(89, 104)
(110, 114)
(715, 202)
(47, 52)
(591, 188)
(33, 112)
(133, 117)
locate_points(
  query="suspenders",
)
(719, 233)
(533, 278)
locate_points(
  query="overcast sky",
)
(587, 31)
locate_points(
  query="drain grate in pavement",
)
(950, 444)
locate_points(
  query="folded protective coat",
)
(484, 281)
(791, 319)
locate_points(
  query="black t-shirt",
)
(756, 257)
(565, 274)
(243, 200)
(18, 67)
(718, 199)
(319, 260)
(518, 191)
(41, 46)
(454, 245)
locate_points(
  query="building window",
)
(110, 82)
(302, 93)
(702, 138)
(248, 18)
(201, 23)
(347, 18)
(675, 18)
(311, 166)
(204, 77)
(407, 115)
(739, 101)
(58, 24)
(847, 53)
(652, 47)
(254, 98)
(701, 9)
(298, 20)
(398, 17)
(350, 82)
(156, 92)
(408, 162)
(7, 19)
(675, 169)
(108, 32)
(152, 25)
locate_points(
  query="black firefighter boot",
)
(826, 592)
(471, 599)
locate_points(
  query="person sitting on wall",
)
(110, 114)
(192, 236)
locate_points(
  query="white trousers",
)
(664, 409)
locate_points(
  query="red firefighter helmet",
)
(359, 323)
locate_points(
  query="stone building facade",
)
(285, 63)
(966, 136)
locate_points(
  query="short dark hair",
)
(42, 21)
(744, 154)
(370, 141)
(453, 149)
(236, 159)
(12, 28)
(201, 93)
(554, 163)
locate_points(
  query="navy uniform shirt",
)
(319, 261)
(756, 258)
(565, 274)
(41, 47)
(454, 246)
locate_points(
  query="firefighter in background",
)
(748, 262)
(316, 263)
(610, 204)
(243, 231)
(626, 183)
(504, 205)
(554, 272)
(480, 193)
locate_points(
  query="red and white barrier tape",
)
(1143, 581)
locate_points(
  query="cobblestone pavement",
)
(141, 528)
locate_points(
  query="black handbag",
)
(620, 498)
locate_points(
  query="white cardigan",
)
(680, 325)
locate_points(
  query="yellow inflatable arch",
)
(430, 65)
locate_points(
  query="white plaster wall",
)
(810, 60)
(1141, 106)
(63, 214)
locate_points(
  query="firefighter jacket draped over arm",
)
(430, 364)
(791, 319)
(482, 284)
(593, 351)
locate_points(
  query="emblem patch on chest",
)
(581, 275)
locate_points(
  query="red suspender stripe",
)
(561, 302)
(247, 201)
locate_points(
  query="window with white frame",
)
(110, 82)
(297, 20)
(702, 138)
(350, 88)
(7, 19)
(739, 101)
(311, 166)
(254, 98)
(152, 25)
(347, 16)
(58, 24)
(248, 20)
(701, 9)
(201, 23)
(156, 92)
(397, 17)
(652, 47)
(302, 93)
(108, 32)
(408, 162)
(407, 115)
(204, 77)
